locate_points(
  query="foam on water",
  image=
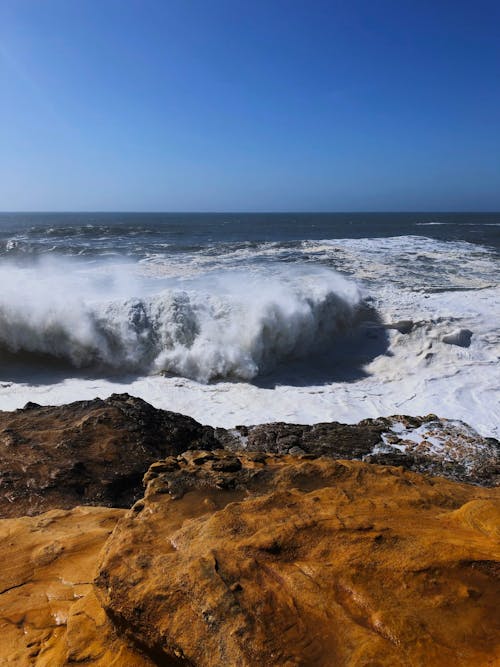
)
(412, 262)
(297, 330)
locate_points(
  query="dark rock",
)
(87, 453)
(325, 439)
(96, 452)
(461, 337)
(403, 326)
(422, 444)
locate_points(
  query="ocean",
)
(251, 318)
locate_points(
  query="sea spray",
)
(235, 324)
(98, 311)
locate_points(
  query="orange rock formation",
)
(49, 615)
(262, 560)
(278, 555)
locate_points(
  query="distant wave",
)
(460, 224)
(238, 327)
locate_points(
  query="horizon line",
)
(247, 212)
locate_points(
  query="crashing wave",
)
(238, 328)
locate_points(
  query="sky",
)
(238, 105)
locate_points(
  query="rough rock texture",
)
(96, 452)
(88, 452)
(49, 615)
(324, 439)
(258, 560)
(427, 444)
(444, 447)
(251, 547)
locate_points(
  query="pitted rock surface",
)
(50, 616)
(254, 560)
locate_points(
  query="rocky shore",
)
(133, 536)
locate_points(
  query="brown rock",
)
(96, 452)
(258, 560)
(49, 615)
(324, 439)
(88, 452)
(423, 444)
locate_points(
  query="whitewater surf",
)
(248, 320)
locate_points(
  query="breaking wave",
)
(235, 325)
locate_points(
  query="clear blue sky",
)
(234, 105)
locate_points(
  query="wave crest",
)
(238, 326)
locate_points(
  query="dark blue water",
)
(140, 234)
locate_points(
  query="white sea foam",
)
(236, 312)
(233, 325)
(415, 263)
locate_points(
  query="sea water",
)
(250, 318)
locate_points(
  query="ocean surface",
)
(250, 318)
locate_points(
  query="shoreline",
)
(226, 404)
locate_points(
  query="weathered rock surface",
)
(444, 447)
(49, 615)
(252, 546)
(88, 452)
(256, 560)
(324, 439)
(96, 452)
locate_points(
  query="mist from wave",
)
(233, 324)
(300, 318)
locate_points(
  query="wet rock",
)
(461, 337)
(403, 326)
(324, 439)
(443, 447)
(286, 560)
(96, 452)
(426, 444)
